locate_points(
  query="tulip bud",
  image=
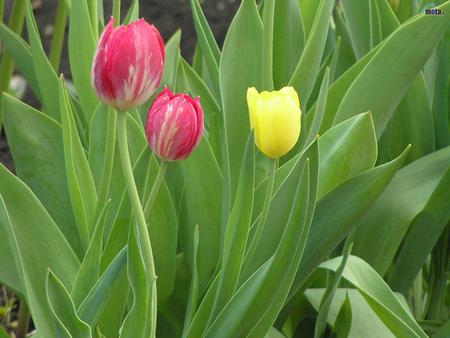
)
(275, 120)
(174, 125)
(128, 64)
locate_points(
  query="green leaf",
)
(288, 41)
(284, 190)
(40, 245)
(47, 80)
(268, 10)
(95, 302)
(81, 52)
(237, 230)
(21, 53)
(378, 295)
(410, 47)
(422, 236)
(342, 325)
(337, 212)
(89, 270)
(346, 150)
(3, 333)
(172, 59)
(240, 68)
(210, 49)
(384, 226)
(133, 12)
(202, 207)
(362, 321)
(325, 304)
(357, 18)
(81, 184)
(308, 67)
(35, 142)
(444, 331)
(63, 309)
(137, 322)
(240, 316)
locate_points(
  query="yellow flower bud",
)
(275, 120)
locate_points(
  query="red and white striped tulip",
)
(128, 64)
(174, 125)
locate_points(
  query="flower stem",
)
(58, 34)
(156, 185)
(265, 213)
(116, 12)
(142, 232)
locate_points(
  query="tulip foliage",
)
(142, 211)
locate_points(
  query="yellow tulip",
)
(275, 120)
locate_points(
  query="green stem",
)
(108, 160)
(116, 12)
(2, 9)
(16, 24)
(23, 321)
(58, 34)
(265, 213)
(141, 230)
(156, 185)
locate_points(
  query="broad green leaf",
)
(364, 320)
(3, 333)
(245, 310)
(267, 14)
(444, 331)
(138, 321)
(202, 207)
(309, 64)
(11, 272)
(422, 236)
(340, 87)
(193, 289)
(357, 17)
(35, 142)
(274, 333)
(210, 49)
(40, 245)
(89, 270)
(410, 46)
(412, 123)
(240, 68)
(330, 291)
(95, 302)
(379, 296)
(189, 81)
(81, 52)
(285, 188)
(313, 121)
(384, 226)
(47, 80)
(337, 212)
(441, 102)
(237, 230)
(83, 195)
(20, 51)
(63, 309)
(308, 11)
(375, 24)
(347, 149)
(342, 325)
(172, 58)
(288, 41)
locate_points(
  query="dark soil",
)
(167, 15)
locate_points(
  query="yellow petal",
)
(291, 93)
(252, 99)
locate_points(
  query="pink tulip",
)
(174, 125)
(128, 64)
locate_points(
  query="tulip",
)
(174, 125)
(128, 64)
(275, 120)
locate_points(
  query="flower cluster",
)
(127, 70)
